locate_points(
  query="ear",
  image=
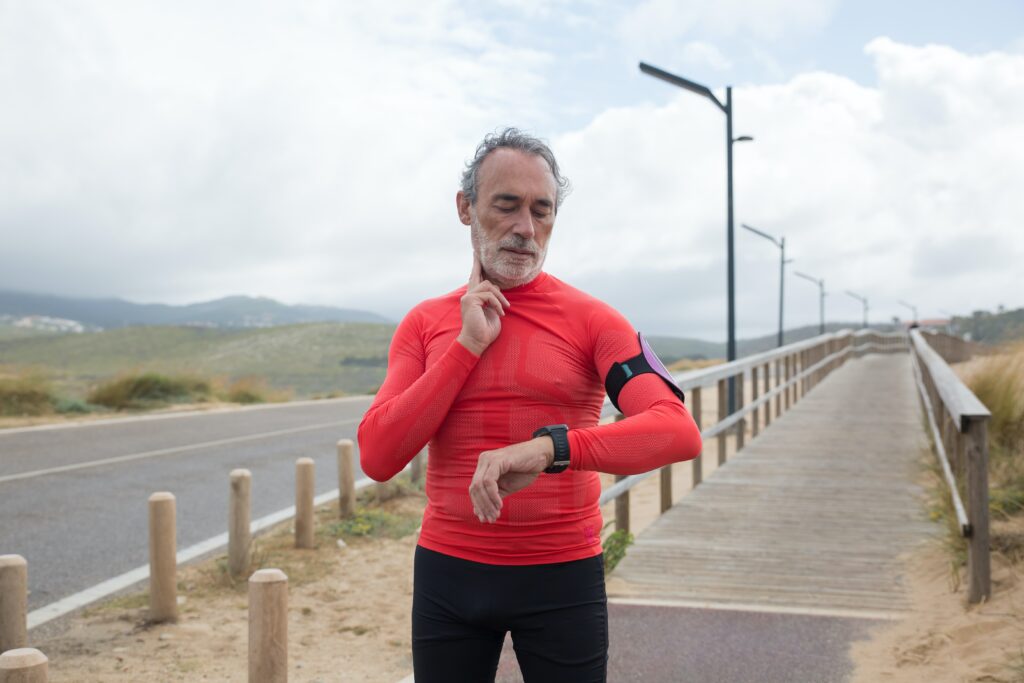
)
(462, 205)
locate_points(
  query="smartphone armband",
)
(645, 362)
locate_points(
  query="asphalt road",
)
(73, 499)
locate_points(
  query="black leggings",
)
(461, 610)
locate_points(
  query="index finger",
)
(476, 275)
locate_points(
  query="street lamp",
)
(863, 301)
(781, 244)
(912, 307)
(726, 108)
(821, 298)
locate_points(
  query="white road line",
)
(182, 414)
(170, 451)
(129, 578)
(765, 609)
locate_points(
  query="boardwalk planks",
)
(812, 515)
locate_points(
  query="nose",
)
(524, 226)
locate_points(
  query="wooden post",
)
(979, 575)
(24, 665)
(268, 627)
(622, 508)
(163, 558)
(778, 383)
(741, 426)
(666, 487)
(788, 374)
(723, 408)
(767, 388)
(239, 522)
(755, 415)
(346, 479)
(697, 472)
(13, 602)
(305, 482)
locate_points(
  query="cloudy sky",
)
(310, 151)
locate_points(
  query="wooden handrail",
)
(961, 403)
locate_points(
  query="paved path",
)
(772, 567)
(86, 524)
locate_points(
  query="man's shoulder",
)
(570, 294)
(436, 306)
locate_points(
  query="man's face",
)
(511, 222)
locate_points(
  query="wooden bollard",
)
(305, 481)
(346, 479)
(24, 665)
(239, 522)
(268, 626)
(163, 558)
(13, 602)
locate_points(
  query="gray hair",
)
(512, 138)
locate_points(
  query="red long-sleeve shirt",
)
(546, 367)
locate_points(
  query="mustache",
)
(519, 242)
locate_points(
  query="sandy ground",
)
(943, 639)
(348, 607)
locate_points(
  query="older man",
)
(505, 378)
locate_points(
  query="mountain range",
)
(229, 312)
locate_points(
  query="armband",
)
(646, 362)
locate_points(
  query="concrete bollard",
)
(13, 602)
(163, 558)
(239, 522)
(346, 479)
(305, 481)
(268, 626)
(24, 665)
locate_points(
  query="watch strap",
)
(560, 437)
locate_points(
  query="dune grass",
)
(999, 383)
(26, 392)
(149, 390)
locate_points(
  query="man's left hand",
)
(504, 471)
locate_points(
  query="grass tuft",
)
(150, 390)
(26, 393)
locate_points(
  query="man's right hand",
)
(483, 307)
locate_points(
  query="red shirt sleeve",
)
(413, 401)
(658, 428)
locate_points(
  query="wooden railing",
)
(959, 426)
(777, 379)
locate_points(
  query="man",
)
(491, 375)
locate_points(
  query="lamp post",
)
(864, 302)
(821, 298)
(912, 307)
(726, 108)
(781, 244)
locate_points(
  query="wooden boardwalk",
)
(812, 517)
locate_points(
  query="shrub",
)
(149, 390)
(26, 394)
(247, 390)
(615, 548)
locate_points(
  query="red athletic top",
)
(547, 366)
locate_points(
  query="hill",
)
(232, 311)
(307, 359)
(991, 328)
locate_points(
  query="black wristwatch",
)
(560, 436)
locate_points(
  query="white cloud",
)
(311, 152)
(666, 21)
(701, 53)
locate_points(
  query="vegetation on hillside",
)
(991, 328)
